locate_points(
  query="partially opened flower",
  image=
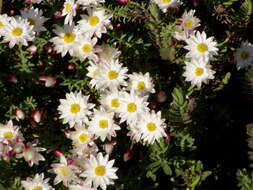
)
(36, 183)
(99, 171)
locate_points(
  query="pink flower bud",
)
(109, 146)
(195, 3)
(58, 14)
(49, 49)
(19, 114)
(123, 2)
(127, 155)
(31, 50)
(71, 67)
(11, 13)
(37, 115)
(57, 152)
(168, 136)
(50, 82)
(70, 162)
(28, 2)
(161, 96)
(11, 78)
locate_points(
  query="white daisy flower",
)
(165, 4)
(94, 71)
(66, 40)
(244, 55)
(151, 127)
(4, 21)
(110, 100)
(75, 109)
(85, 48)
(200, 46)
(87, 3)
(108, 53)
(112, 74)
(189, 21)
(142, 84)
(134, 132)
(133, 106)
(99, 171)
(80, 137)
(18, 31)
(64, 172)
(31, 153)
(102, 124)
(198, 72)
(36, 183)
(69, 10)
(9, 132)
(96, 22)
(35, 18)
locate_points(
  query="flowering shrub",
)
(126, 94)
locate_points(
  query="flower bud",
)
(109, 146)
(161, 96)
(50, 82)
(31, 50)
(19, 114)
(11, 78)
(37, 115)
(57, 152)
(127, 155)
(71, 67)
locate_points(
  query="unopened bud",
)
(19, 114)
(109, 146)
(161, 96)
(50, 82)
(31, 50)
(57, 152)
(37, 115)
(127, 155)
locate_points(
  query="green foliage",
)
(245, 179)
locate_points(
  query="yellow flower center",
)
(93, 20)
(245, 55)
(69, 37)
(83, 138)
(100, 170)
(31, 21)
(64, 171)
(75, 108)
(115, 103)
(166, 1)
(67, 7)
(86, 48)
(131, 107)
(112, 75)
(202, 47)
(199, 71)
(17, 31)
(187, 23)
(103, 124)
(37, 188)
(140, 85)
(8, 135)
(151, 126)
(1, 24)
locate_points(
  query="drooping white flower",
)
(18, 31)
(35, 18)
(151, 127)
(198, 72)
(96, 22)
(165, 4)
(99, 171)
(200, 46)
(66, 39)
(141, 83)
(75, 109)
(102, 124)
(36, 183)
(133, 106)
(69, 10)
(244, 55)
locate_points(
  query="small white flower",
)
(151, 127)
(198, 72)
(141, 83)
(85, 48)
(87, 3)
(244, 55)
(9, 132)
(36, 183)
(102, 124)
(4, 21)
(200, 46)
(75, 109)
(66, 39)
(69, 10)
(99, 171)
(64, 172)
(80, 137)
(96, 22)
(112, 75)
(35, 18)
(189, 21)
(165, 4)
(132, 107)
(18, 31)
(94, 73)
